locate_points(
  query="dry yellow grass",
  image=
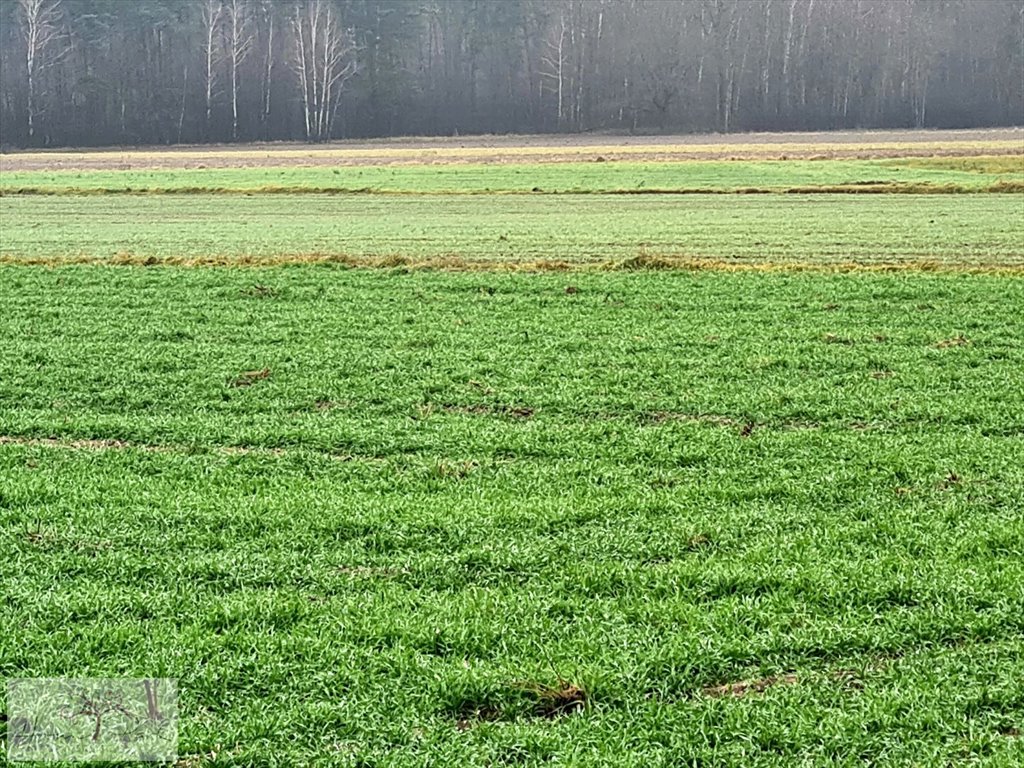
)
(534, 149)
(454, 263)
(856, 188)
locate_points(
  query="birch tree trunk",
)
(44, 46)
(212, 11)
(324, 60)
(240, 39)
(554, 64)
(268, 70)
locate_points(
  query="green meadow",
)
(911, 174)
(381, 487)
(954, 231)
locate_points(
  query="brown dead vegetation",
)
(511, 411)
(848, 679)
(1013, 163)
(79, 444)
(519, 699)
(520, 149)
(53, 540)
(259, 290)
(553, 701)
(248, 378)
(831, 338)
(745, 427)
(661, 417)
(450, 469)
(956, 341)
(952, 480)
(457, 263)
(370, 572)
(747, 687)
(853, 188)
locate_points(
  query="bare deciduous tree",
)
(553, 63)
(267, 17)
(240, 37)
(45, 45)
(324, 59)
(211, 11)
(97, 71)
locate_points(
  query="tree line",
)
(102, 72)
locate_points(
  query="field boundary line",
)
(454, 263)
(440, 150)
(863, 188)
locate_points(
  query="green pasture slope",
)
(466, 516)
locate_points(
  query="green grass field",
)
(403, 516)
(914, 174)
(951, 230)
